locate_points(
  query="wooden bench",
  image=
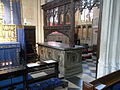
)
(108, 80)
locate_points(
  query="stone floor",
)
(75, 82)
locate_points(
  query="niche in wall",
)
(58, 37)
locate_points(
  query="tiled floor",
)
(89, 67)
(75, 82)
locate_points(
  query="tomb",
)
(69, 58)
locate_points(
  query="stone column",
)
(40, 21)
(109, 60)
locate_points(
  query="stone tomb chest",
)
(69, 58)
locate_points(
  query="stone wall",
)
(58, 37)
(32, 14)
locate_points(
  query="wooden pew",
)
(108, 80)
(87, 86)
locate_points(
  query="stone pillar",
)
(109, 60)
(40, 21)
(77, 17)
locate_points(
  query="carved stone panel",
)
(69, 59)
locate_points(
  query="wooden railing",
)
(108, 80)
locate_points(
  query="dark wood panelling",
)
(30, 41)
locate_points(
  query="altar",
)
(69, 58)
(9, 54)
(9, 47)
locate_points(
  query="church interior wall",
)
(32, 14)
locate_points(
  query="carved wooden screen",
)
(59, 16)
